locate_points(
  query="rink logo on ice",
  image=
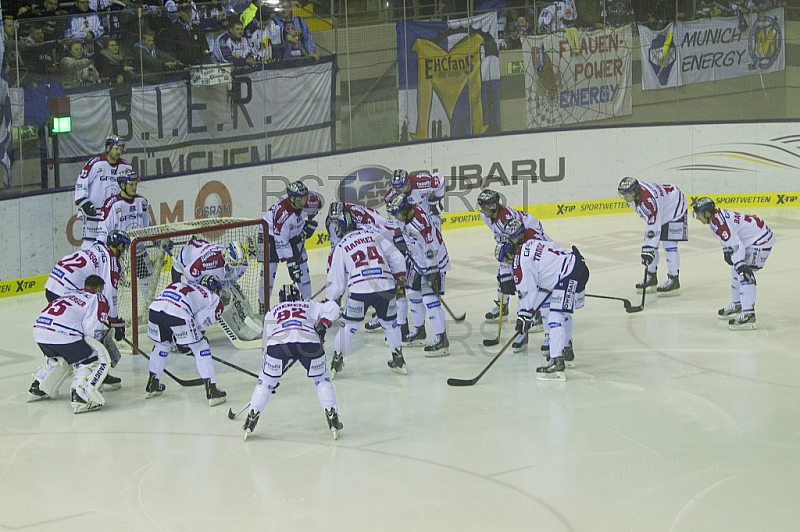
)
(366, 185)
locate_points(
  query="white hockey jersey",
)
(425, 188)
(362, 216)
(120, 214)
(426, 247)
(199, 258)
(71, 272)
(285, 223)
(740, 231)
(538, 266)
(189, 302)
(364, 261)
(533, 227)
(293, 322)
(658, 204)
(69, 318)
(98, 181)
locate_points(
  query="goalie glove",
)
(308, 229)
(118, 326)
(648, 255)
(524, 321)
(87, 207)
(745, 272)
(321, 327)
(295, 274)
(728, 254)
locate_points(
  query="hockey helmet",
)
(289, 292)
(397, 204)
(514, 232)
(488, 197)
(335, 208)
(504, 251)
(126, 176)
(703, 209)
(400, 180)
(297, 189)
(233, 254)
(114, 140)
(343, 222)
(116, 238)
(212, 283)
(628, 187)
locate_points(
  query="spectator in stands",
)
(557, 16)
(519, 31)
(264, 34)
(53, 24)
(74, 68)
(11, 42)
(232, 47)
(298, 27)
(112, 64)
(187, 39)
(39, 56)
(151, 60)
(83, 21)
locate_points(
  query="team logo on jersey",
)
(366, 185)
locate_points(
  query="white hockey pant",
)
(89, 376)
(202, 358)
(672, 257)
(423, 301)
(742, 291)
(317, 372)
(402, 310)
(560, 332)
(52, 375)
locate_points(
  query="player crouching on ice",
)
(746, 243)
(544, 271)
(183, 312)
(68, 332)
(295, 329)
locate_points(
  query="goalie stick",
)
(237, 342)
(190, 382)
(234, 415)
(470, 382)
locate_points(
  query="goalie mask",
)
(233, 254)
(628, 188)
(703, 209)
(212, 283)
(289, 292)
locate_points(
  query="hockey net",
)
(152, 265)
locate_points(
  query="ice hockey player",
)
(746, 243)
(97, 182)
(71, 272)
(291, 222)
(546, 271)
(429, 262)
(423, 189)
(663, 208)
(68, 332)
(368, 265)
(295, 329)
(184, 312)
(126, 211)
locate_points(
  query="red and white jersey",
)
(285, 222)
(533, 227)
(362, 216)
(120, 214)
(364, 261)
(69, 318)
(425, 243)
(658, 204)
(293, 322)
(199, 258)
(189, 302)
(98, 180)
(425, 188)
(71, 272)
(740, 231)
(539, 265)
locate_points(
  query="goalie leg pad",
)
(52, 375)
(89, 378)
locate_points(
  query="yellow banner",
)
(26, 285)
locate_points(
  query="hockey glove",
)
(434, 205)
(506, 282)
(648, 255)
(745, 272)
(87, 208)
(524, 321)
(308, 229)
(400, 243)
(119, 328)
(294, 271)
(728, 254)
(321, 328)
(400, 287)
(434, 280)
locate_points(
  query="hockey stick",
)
(470, 382)
(628, 307)
(495, 341)
(318, 292)
(190, 382)
(446, 307)
(234, 415)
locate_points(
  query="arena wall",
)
(564, 173)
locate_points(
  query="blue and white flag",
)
(6, 137)
(449, 75)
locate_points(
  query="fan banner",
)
(713, 49)
(577, 76)
(449, 78)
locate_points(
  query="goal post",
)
(147, 268)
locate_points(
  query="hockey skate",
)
(650, 283)
(569, 355)
(492, 315)
(520, 342)
(214, 395)
(250, 423)
(671, 287)
(373, 324)
(337, 364)
(111, 383)
(745, 321)
(440, 347)
(415, 337)
(80, 405)
(554, 371)
(398, 363)
(537, 325)
(333, 422)
(733, 309)
(153, 388)
(35, 394)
